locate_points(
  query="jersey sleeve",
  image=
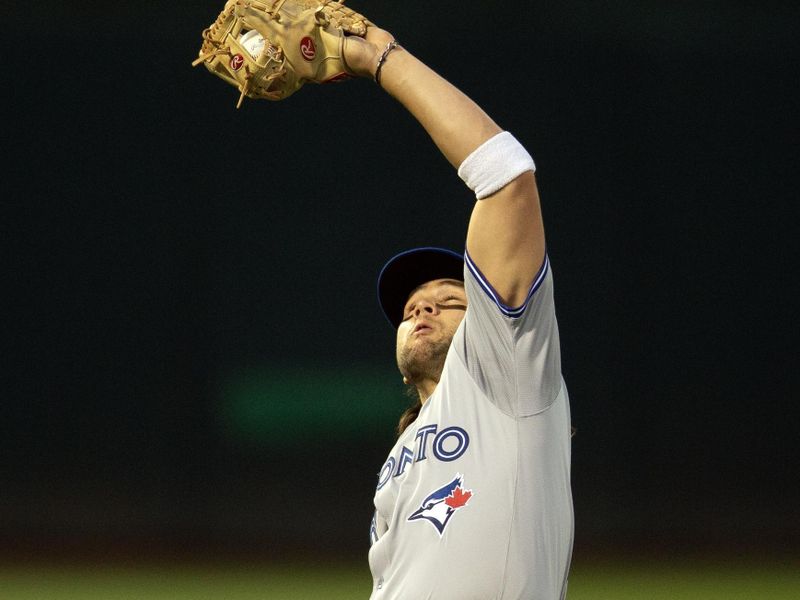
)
(512, 353)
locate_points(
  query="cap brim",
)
(410, 269)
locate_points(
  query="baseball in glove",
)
(270, 48)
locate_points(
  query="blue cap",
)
(408, 270)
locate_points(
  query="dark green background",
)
(193, 359)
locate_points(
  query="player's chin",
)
(424, 348)
(414, 351)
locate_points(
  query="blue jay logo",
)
(442, 504)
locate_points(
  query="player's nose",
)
(424, 306)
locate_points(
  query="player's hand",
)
(361, 54)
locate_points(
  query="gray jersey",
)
(474, 501)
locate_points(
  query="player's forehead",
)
(436, 286)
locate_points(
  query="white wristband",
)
(494, 164)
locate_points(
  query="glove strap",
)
(389, 47)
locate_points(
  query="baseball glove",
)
(270, 48)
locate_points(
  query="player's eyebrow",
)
(454, 282)
(446, 286)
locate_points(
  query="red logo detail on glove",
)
(237, 60)
(308, 49)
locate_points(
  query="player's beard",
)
(421, 361)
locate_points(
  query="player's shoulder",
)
(487, 304)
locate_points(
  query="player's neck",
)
(425, 389)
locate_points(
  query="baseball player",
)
(474, 500)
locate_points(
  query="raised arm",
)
(505, 238)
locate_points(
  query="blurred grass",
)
(183, 583)
(685, 581)
(614, 580)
